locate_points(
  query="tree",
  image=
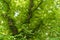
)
(29, 19)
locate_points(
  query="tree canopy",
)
(29, 19)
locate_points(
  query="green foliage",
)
(31, 19)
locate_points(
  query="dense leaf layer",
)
(30, 19)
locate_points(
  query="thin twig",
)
(38, 5)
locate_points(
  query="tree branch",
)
(11, 22)
(30, 11)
